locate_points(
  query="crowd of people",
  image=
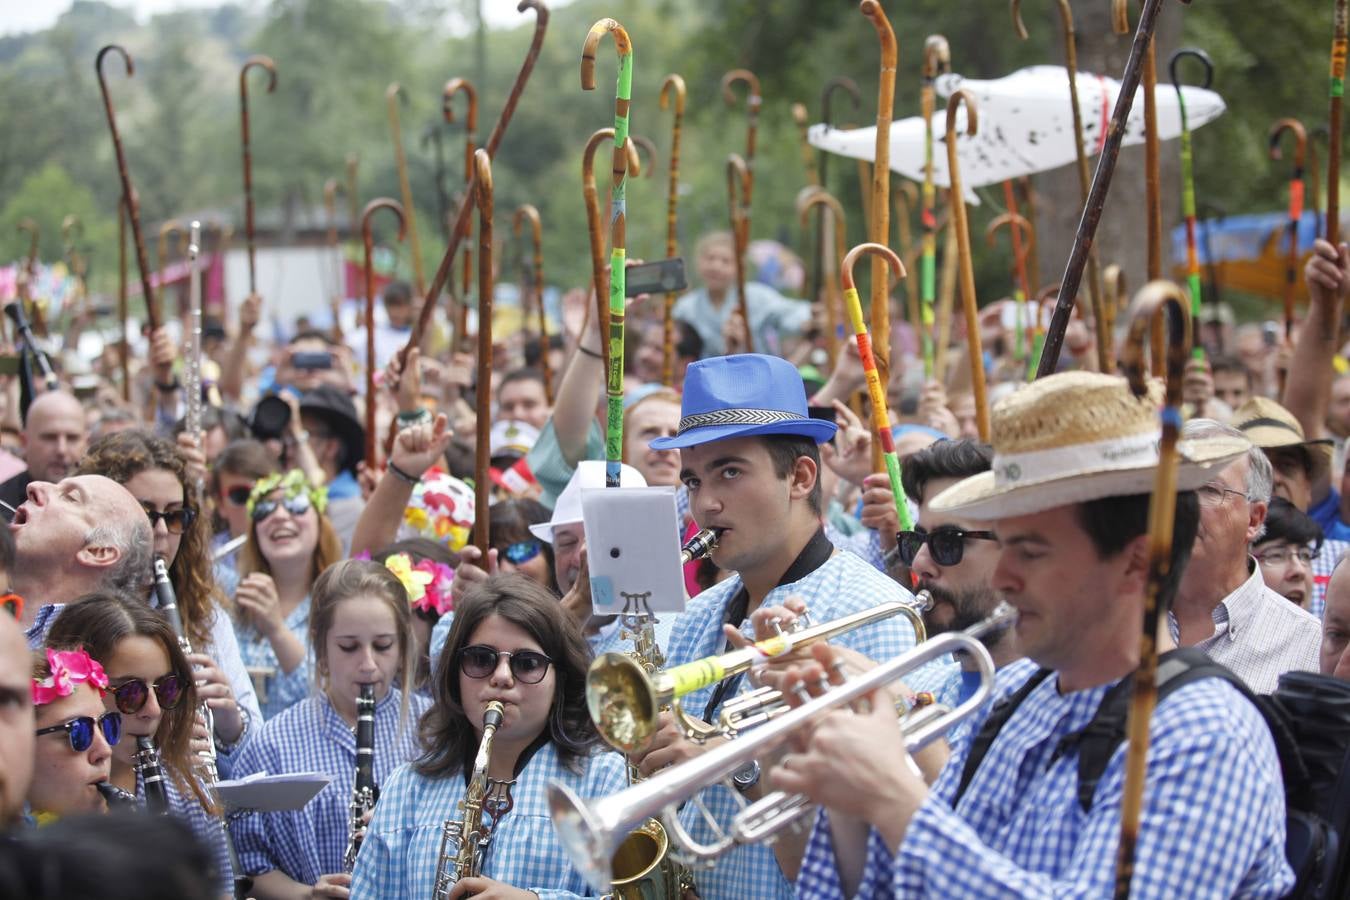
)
(320, 610)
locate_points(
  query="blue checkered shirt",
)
(206, 828)
(398, 856)
(283, 689)
(844, 584)
(311, 737)
(1213, 818)
(1322, 566)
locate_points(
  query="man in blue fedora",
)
(750, 459)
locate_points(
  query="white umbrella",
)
(1025, 125)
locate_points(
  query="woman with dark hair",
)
(156, 474)
(517, 549)
(290, 541)
(150, 684)
(513, 643)
(360, 633)
(1286, 550)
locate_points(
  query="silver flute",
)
(192, 368)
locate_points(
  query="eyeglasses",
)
(522, 552)
(80, 730)
(175, 520)
(132, 694)
(480, 661)
(238, 496)
(1283, 556)
(947, 543)
(296, 506)
(1213, 495)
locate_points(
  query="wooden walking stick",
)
(738, 189)
(1094, 290)
(906, 201)
(617, 230)
(937, 60)
(431, 135)
(166, 230)
(1115, 295)
(876, 389)
(1160, 305)
(1188, 182)
(330, 190)
(123, 348)
(672, 96)
(946, 291)
(962, 226)
(483, 199)
(130, 201)
(808, 199)
(452, 87)
(391, 101)
(466, 205)
(879, 218)
(753, 101)
(1101, 185)
(1018, 228)
(271, 67)
(591, 195)
(532, 284)
(368, 240)
(1339, 44)
(802, 119)
(849, 87)
(1027, 207)
(353, 200)
(1295, 210)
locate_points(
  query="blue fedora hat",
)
(740, 396)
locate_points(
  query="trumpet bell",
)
(583, 835)
(622, 702)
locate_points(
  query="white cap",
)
(511, 437)
(590, 474)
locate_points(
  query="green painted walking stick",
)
(1188, 184)
(937, 60)
(617, 225)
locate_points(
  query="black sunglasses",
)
(947, 543)
(80, 730)
(296, 506)
(527, 666)
(238, 496)
(176, 520)
(132, 694)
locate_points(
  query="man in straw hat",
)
(750, 459)
(1074, 462)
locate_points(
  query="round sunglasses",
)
(132, 694)
(480, 661)
(946, 543)
(80, 730)
(296, 506)
(175, 520)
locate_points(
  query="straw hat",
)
(1272, 427)
(1075, 437)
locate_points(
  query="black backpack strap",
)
(1096, 743)
(998, 716)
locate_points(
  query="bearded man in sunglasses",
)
(953, 558)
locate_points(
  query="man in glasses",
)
(78, 536)
(1223, 605)
(16, 720)
(952, 557)
(54, 437)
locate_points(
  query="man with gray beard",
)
(953, 559)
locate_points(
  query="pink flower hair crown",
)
(69, 668)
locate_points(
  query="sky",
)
(18, 16)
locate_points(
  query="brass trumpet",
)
(590, 831)
(625, 701)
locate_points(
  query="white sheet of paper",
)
(633, 548)
(272, 793)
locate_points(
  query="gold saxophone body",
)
(470, 836)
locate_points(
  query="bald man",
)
(16, 721)
(54, 438)
(80, 535)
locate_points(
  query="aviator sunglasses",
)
(132, 694)
(521, 552)
(80, 730)
(296, 506)
(527, 666)
(946, 543)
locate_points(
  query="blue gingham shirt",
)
(1322, 566)
(311, 737)
(207, 829)
(1213, 817)
(399, 853)
(283, 689)
(844, 584)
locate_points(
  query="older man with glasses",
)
(1223, 606)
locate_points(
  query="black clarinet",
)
(152, 774)
(115, 797)
(364, 791)
(14, 310)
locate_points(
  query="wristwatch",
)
(746, 777)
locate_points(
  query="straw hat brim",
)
(980, 497)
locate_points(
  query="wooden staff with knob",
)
(962, 227)
(532, 284)
(368, 241)
(673, 94)
(263, 62)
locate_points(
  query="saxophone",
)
(471, 836)
(364, 791)
(642, 867)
